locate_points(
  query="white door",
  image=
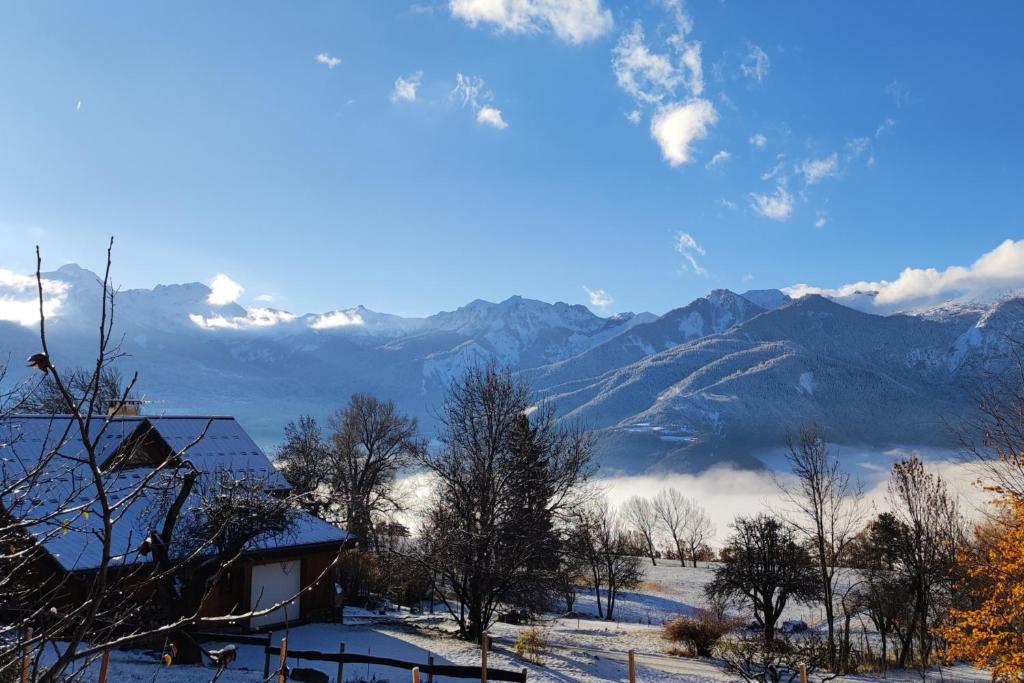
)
(272, 583)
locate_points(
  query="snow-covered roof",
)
(59, 498)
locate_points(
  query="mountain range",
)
(718, 380)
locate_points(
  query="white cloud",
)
(19, 298)
(816, 170)
(338, 319)
(472, 92)
(758, 140)
(687, 246)
(748, 277)
(264, 298)
(821, 221)
(599, 298)
(406, 87)
(647, 76)
(756, 64)
(254, 318)
(899, 93)
(884, 126)
(635, 116)
(676, 126)
(224, 290)
(721, 156)
(78, 105)
(690, 57)
(489, 116)
(856, 147)
(328, 60)
(574, 21)
(726, 204)
(777, 206)
(997, 271)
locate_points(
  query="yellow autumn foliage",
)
(991, 634)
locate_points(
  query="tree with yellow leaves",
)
(990, 633)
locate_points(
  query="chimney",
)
(127, 407)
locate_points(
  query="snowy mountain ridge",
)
(719, 379)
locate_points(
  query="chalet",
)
(59, 500)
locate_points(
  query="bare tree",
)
(827, 509)
(765, 567)
(697, 531)
(505, 473)
(932, 532)
(641, 516)
(70, 485)
(672, 509)
(600, 538)
(305, 461)
(370, 442)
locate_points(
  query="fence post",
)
(282, 662)
(483, 657)
(632, 666)
(104, 663)
(26, 650)
(524, 674)
(803, 673)
(341, 663)
(415, 674)
(266, 662)
(430, 663)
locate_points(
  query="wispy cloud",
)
(649, 77)
(756, 64)
(687, 247)
(599, 298)
(778, 206)
(472, 92)
(329, 61)
(406, 87)
(899, 93)
(758, 140)
(721, 156)
(821, 220)
(335, 319)
(816, 170)
(668, 80)
(573, 21)
(253, 318)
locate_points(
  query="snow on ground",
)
(585, 649)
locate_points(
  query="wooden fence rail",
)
(451, 671)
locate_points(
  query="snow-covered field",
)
(584, 649)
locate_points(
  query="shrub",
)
(700, 632)
(531, 644)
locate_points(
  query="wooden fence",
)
(341, 658)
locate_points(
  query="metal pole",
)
(341, 663)
(415, 674)
(632, 666)
(430, 663)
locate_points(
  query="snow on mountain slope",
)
(711, 314)
(867, 379)
(719, 379)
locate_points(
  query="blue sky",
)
(531, 148)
